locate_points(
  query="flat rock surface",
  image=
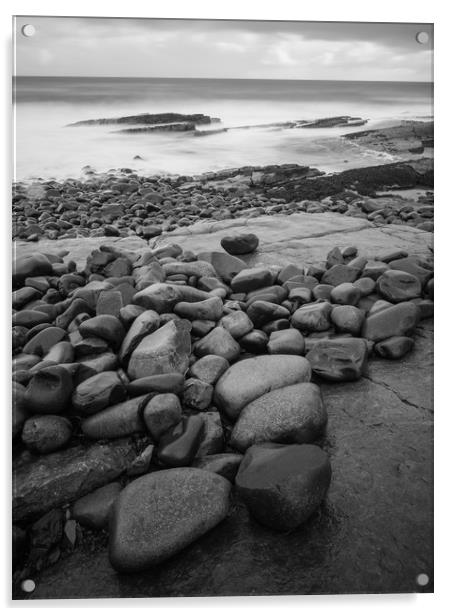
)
(299, 238)
(374, 532)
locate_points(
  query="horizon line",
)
(220, 78)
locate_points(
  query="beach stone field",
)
(222, 384)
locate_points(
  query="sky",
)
(74, 46)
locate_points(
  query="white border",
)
(345, 10)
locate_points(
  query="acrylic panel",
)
(222, 308)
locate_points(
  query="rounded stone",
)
(338, 359)
(46, 433)
(209, 368)
(286, 342)
(293, 414)
(161, 413)
(283, 485)
(93, 510)
(240, 244)
(345, 294)
(178, 446)
(159, 514)
(250, 378)
(237, 323)
(347, 319)
(312, 317)
(49, 391)
(98, 392)
(398, 286)
(173, 382)
(219, 342)
(394, 347)
(105, 326)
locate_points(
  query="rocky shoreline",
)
(163, 381)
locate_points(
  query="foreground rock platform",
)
(374, 531)
(372, 535)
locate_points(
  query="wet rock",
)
(410, 266)
(226, 266)
(397, 286)
(164, 351)
(35, 264)
(172, 382)
(240, 244)
(217, 342)
(116, 421)
(212, 441)
(250, 378)
(206, 310)
(98, 392)
(224, 464)
(105, 326)
(46, 433)
(58, 478)
(93, 510)
(209, 368)
(197, 394)
(347, 319)
(312, 317)
(251, 279)
(345, 294)
(237, 323)
(286, 342)
(255, 342)
(178, 446)
(394, 347)
(293, 414)
(339, 274)
(49, 391)
(398, 320)
(155, 517)
(262, 312)
(340, 359)
(282, 485)
(161, 413)
(162, 297)
(145, 323)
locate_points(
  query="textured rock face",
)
(159, 514)
(61, 477)
(398, 286)
(293, 414)
(282, 485)
(396, 320)
(165, 350)
(341, 359)
(248, 379)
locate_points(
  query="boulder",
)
(165, 350)
(162, 297)
(347, 319)
(251, 279)
(209, 368)
(98, 392)
(286, 342)
(49, 391)
(283, 485)
(398, 320)
(145, 323)
(159, 514)
(312, 317)
(394, 347)
(293, 414)
(46, 433)
(339, 359)
(219, 342)
(161, 413)
(104, 326)
(224, 464)
(225, 265)
(116, 421)
(25, 266)
(240, 244)
(237, 323)
(398, 286)
(178, 446)
(250, 378)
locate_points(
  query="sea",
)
(47, 148)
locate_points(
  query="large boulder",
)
(165, 350)
(248, 379)
(159, 514)
(293, 414)
(282, 485)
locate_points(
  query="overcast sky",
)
(223, 49)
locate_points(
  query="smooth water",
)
(46, 147)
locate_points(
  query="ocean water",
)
(46, 147)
